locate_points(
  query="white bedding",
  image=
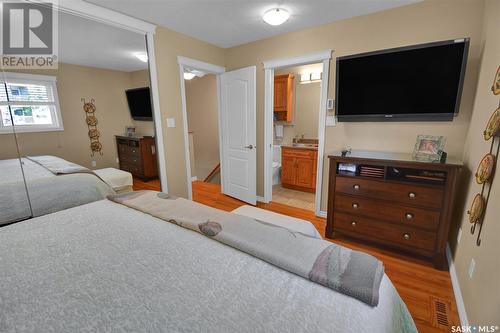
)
(103, 267)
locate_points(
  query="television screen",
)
(139, 103)
(420, 82)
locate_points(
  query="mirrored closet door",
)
(84, 129)
(14, 203)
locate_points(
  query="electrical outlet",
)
(472, 268)
(459, 235)
(94, 164)
(330, 121)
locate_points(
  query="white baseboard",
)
(322, 213)
(464, 321)
(261, 199)
(194, 178)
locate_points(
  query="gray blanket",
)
(353, 273)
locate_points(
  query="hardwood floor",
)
(140, 184)
(417, 282)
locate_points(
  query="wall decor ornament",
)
(91, 120)
(496, 83)
(486, 168)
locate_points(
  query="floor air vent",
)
(440, 310)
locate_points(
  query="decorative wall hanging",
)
(496, 83)
(486, 168)
(94, 134)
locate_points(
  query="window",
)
(30, 103)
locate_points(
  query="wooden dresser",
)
(298, 168)
(137, 155)
(393, 201)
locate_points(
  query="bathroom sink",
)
(305, 145)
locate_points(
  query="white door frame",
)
(110, 17)
(209, 69)
(269, 67)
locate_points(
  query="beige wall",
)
(305, 105)
(107, 88)
(202, 112)
(431, 20)
(168, 45)
(481, 294)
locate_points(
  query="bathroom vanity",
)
(298, 167)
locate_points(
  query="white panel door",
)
(239, 158)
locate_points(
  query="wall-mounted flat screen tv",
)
(414, 83)
(139, 103)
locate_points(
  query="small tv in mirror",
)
(139, 103)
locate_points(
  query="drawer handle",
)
(406, 236)
(356, 187)
(133, 150)
(409, 216)
(353, 223)
(355, 205)
(412, 195)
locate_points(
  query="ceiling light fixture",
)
(276, 16)
(142, 56)
(188, 76)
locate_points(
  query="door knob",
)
(355, 205)
(249, 147)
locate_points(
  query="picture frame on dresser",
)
(393, 201)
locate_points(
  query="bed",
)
(104, 267)
(79, 185)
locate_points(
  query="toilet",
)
(276, 164)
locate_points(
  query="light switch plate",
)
(330, 104)
(170, 122)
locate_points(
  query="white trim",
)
(104, 15)
(197, 64)
(321, 133)
(322, 213)
(261, 199)
(28, 77)
(299, 60)
(211, 69)
(194, 178)
(155, 93)
(270, 66)
(268, 134)
(464, 321)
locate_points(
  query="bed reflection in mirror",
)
(83, 130)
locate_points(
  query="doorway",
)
(236, 127)
(294, 119)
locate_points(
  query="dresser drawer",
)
(385, 232)
(128, 150)
(131, 159)
(134, 169)
(380, 210)
(408, 194)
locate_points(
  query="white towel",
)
(278, 131)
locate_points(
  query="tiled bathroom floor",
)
(293, 198)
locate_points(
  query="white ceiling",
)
(228, 23)
(88, 43)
